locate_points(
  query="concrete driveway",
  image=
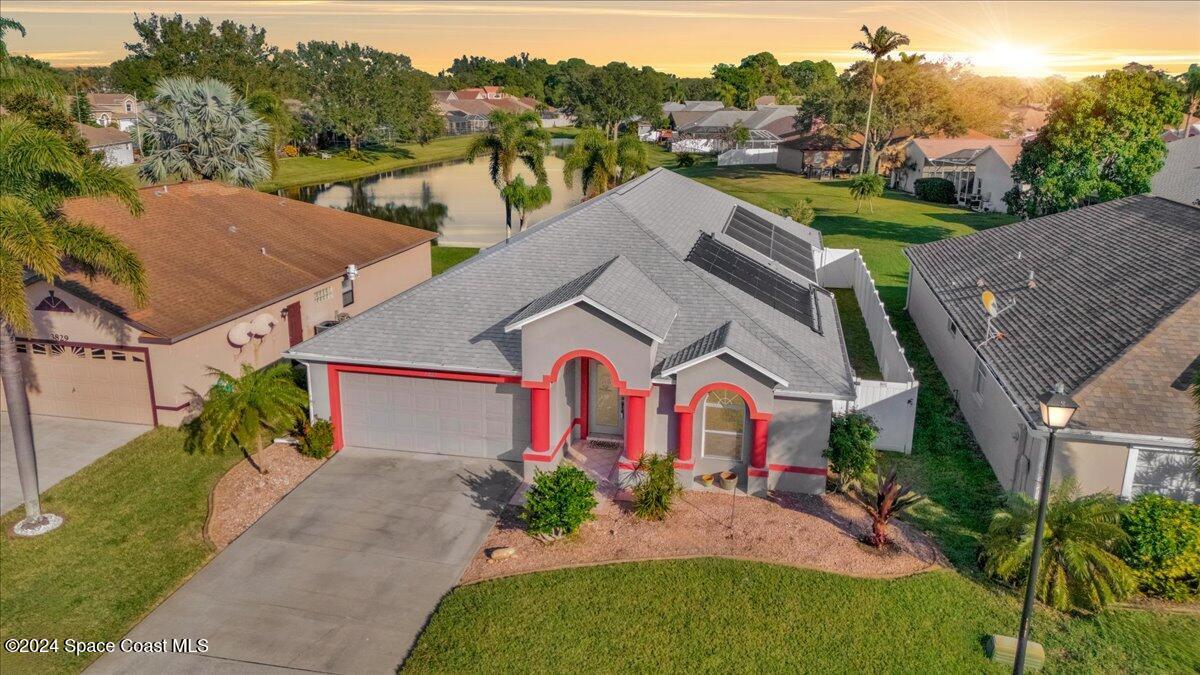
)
(340, 576)
(64, 446)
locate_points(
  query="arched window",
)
(724, 425)
(128, 106)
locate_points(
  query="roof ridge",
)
(662, 244)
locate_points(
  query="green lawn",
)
(445, 257)
(714, 615)
(311, 169)
(858, 340)
(133, 533)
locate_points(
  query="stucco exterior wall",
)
(790, 159)
(724, 369)
(993, 178)
(796, 436)
(117, 155)
(1098, 467)
(904, 177)
(998, 426)
(573, 328)
(562, 402)
(183, 365)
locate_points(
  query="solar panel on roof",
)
(764, 284)
(779, 245)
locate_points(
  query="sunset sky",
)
(1073, 39)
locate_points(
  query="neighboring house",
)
(1171, 134)
(712, 132)
(116, 145)
(767, 101)
(1026, 120)
(821, 153)
(980, 167)
(118, 109)
(663, 315)
(236, 276)
(1179, 179)
(466, 111)
(1106, 300)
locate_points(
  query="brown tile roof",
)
(472, 106)
(511, 105)
(1146, 390)
(99, 98)
(470, 93)
(99, 137)
(202, 245)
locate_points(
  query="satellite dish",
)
(989, 302)
(239, 335)
(262, 324)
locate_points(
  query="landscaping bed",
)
(243, 494)
(814, 531)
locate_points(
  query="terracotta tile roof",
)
(102, 99)
(472, 106)
(99, 137)
(202, 244)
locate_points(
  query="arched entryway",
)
(730, 420)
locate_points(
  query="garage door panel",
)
(468, 419)
(85, 382)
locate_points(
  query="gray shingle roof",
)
(733, 337)
(618, 286)
(1179, 178)
(1105, 276)
(457, 319)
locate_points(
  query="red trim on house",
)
(627, 465)
(539, 421)
(812, 470)
(755, 414)
(684, 445)
(334, 371)
(552, 377)
(154, 407)
(585, 393)
(684, 465)
(757, 473)
(174, 408)
(549, 457)
(635, 427)
(758, 449)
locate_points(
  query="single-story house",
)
(236, 276)
(663, 316)
(1104, 299)
(980, 167)
(767, 127)
(114, 144)
(822, 152)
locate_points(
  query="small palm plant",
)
(512, 138)
(201, 129)
(242, 412)
(525, 198)
(865, 187)
(1079, 569)
(889, 499)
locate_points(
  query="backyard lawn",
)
(715, 615)
(133, 533)
(445, 257)
(311, 169)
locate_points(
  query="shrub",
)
(558, 502)
(317, 439)
(850, 452)
(685, 159)
(802, 212)
(865, 187)
(889, 499)
(1079, 568)
(652, 497)
(1164, 546)
(291, 151)
(938, 190)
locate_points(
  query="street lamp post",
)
(1057, 409)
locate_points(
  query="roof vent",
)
(233, 229)
(263, 250)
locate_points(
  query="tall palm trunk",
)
(22, 424)
(507, 219)
(862, 167)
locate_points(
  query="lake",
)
(456, 199)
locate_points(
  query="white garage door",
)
(444, 417)
(92, 383)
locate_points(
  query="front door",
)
(606, 415)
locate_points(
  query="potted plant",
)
(728, 480)
(707, 479)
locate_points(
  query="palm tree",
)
(1078, 568)
(240, 413)
(602, 163)
(865, 187)
(201, 129)
(878, 44)
(280, 123)
(512, 138)
(887, 501)
(525, 198)
(39, 171)
(1191, 89)
(16, 78)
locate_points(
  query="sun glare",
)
(1013, 59)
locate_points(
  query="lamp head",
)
(1057, 408)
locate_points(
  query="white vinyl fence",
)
(741, 156)
(891, 402)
